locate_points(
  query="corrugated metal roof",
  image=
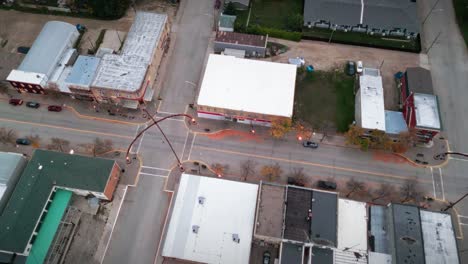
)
(49, 46)
(45, 170)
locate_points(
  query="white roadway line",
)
(185, 143)
(191, 147)
(191, 83)
(442, 184)
(141, 140)
(171, 119)
(155, 168)
(116, 218)
(136, 132)
(462, 216)
(154, 175)
(458, 159)
(433, 183)
(463, 224)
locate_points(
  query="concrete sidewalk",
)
(424, 155)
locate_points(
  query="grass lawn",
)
(273, 13)
(325, 97)
(461, 10)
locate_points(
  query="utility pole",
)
(427, 51)
(380, 68)
(430, 11)
(453, 204)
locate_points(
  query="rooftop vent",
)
(201, 200)
(195, 229)
(235, 238)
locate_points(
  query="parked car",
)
(23, 50)
(350, 68)
(23, 141)
(54, 108)
(33, 104)
(14, 101)
(266, 257)
(359, 66)
(327, 185)
(310, 144)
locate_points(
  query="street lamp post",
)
(156, 123)
(453, 204)
(443, 156)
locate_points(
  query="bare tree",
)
(35, 140)
(410, 191)
(3, 88)
(273, 171)
(354, 186)
(8, 136)
(219, 169)
(299, 176)
(102, 146)
(247, 168)
(385, 190)
(59, 144)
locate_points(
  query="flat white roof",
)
(248, 85)
(372, 101)
(227, 211)
(27, 77)
(352, 225)
(440, 245)
(127, 71)
(379, 258)
(427, 111)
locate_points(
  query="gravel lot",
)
(324, 56)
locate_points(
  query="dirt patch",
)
(270, 211)
(324, 56)
(389, 158)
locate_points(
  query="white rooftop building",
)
(440, 245)
(370, 108)
(352, 225)
(127, 71)
(427, 111)
(246, 89)
(212, 221)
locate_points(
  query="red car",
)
(54, 108)
(16, 101)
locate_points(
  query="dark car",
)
(23, 141)
(33, 104)
(23, 50)
(16, 101)
(54, 108)
(310, 144)
(350, 68)
(327, 185)
(266, 257)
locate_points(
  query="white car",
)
(359, 66)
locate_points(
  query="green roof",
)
(49, 227)
(45, 170)
(226, 21)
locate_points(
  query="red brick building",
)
(420, 105)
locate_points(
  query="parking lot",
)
(325, 56)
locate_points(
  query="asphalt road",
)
(449, 63)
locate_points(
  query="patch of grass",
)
(461, 10)
(325, 97)
(362, 39)
(274, 13)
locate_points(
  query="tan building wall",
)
(112, 182)
(238, 114)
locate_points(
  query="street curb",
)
(443, 164)
(74, 111)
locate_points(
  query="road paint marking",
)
(155, 168)
(65, 128)
(463, 224)
(442, 184)
(185, 143)
(362, 11)
(139, 143)
(462, 216)
(458, 159)
(191, 83)
(154, 175)
(309, 163)
(433, 183)
(191, 147)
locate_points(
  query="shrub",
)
(273, 32)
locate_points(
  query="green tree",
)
(109, 9)
(294, 22)
(230, 9)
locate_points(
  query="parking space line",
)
(155, 168)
